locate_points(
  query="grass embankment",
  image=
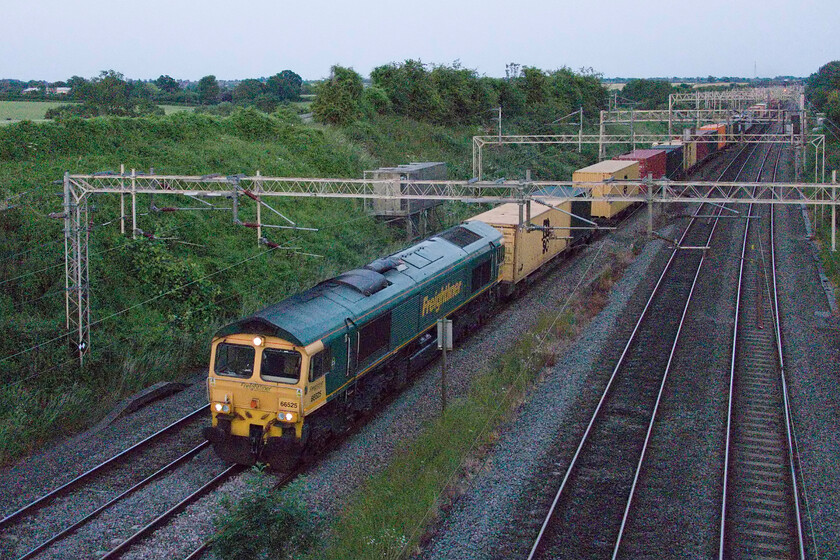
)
(822, 217)
(195, 276)
(388, 517)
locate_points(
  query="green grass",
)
(169, 109)
(13, 111)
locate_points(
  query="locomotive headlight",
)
(286, 416)
(222, 407)
(258, 341)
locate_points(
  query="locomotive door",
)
(351, 341)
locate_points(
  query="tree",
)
(818, 86)
(77, 86)
(535, 85)
(247, 91)
(339, 99)
(167, 84)
(410, 88)
(650, 94)
(109, 93)
(284, 86)
(832, 106)
(208, 90)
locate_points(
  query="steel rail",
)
(637, 474)
(162, 518)
(612, 379)
(69, 530)
(87, 474)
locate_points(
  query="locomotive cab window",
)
(480, 275)
(281, 366)
(320, 364)
(234, 360)
(374, 337)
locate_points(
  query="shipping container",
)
(526, 249)
(673, 158)
(689, 155)
(603, 171)
(581, 209)
(720, 128)
(651, 162)
(706, 142)
(402, 175)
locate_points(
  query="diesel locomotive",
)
(291, 376)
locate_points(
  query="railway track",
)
(594, 500)
(170, 513)
(760, 513)
(37, 525)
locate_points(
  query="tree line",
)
(110, 93)
(451, 94)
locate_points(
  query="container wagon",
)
(529, 244)
(605, 171)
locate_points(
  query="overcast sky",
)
(55, 39)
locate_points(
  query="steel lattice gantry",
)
(76, 278)
(697, 107)
(79, 188)
(479, 142)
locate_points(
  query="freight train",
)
(286, 380)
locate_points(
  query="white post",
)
(122, 199)
(133, 204)
(601, 138)
(833, 211)
(258, 189)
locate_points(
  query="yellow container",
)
(689, 155)
(603, 171)
(526, 251)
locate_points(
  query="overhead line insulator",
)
(251, 195)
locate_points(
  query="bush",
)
(267, 524)
(375, 100)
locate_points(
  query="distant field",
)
(169, 109)
(13, 111)
(620, 85)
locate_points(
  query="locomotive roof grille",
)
(363, 280)
(383, 265)
(460, 236)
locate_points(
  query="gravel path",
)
(811, 337)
